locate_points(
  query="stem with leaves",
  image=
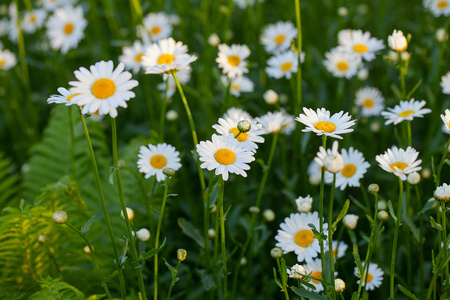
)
(394, 245)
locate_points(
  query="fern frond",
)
(9, 181)
(54, 288)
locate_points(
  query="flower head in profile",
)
(370, 100)
(232, 60)
(238, 85)
(342, 63)
(225, 155)
(102, 89)
(397, 41)
(446, 119)
(445, 83)
(156, 26)
(65, 97)
(277, 37)
(438, 7)
(331, 159)
(405, 111)
(277, 122)
(7, 59)
(153, 159)
(304, 204)
(400, 162)
(322, 123)
(442, 193)
(132, 56)
(361, 43)
(374, 277)
(283, 65)
(296, 236)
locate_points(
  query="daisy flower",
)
(7, 59)
(237, 114)
(225, 155)
(370, 100)
(283, 65)
(314, 269)
(342, 63)
(374, 277)
(232, 60)
(442, 193)
(438, 7)
(445, 83)
(103, 88)
(296, 236)
(339, 249)
(167, 56)
(361, 44)
(132, 56)
(248, 139)
(65, 28)
(405, 111)
(33, 20)
(183, 76)
(239, 84)
(330, 158)
(446, 119)
(277, 37)
(153, 159)
(321, 123)
(51, 5)
(65, 97)
(156, 26)
(277, 122)
(354, 169)
(399, 161)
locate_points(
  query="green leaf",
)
(276, 279)
(414, 89)
(341, 214)
(85, 228)
(192, 232)
(357, 258)
(283, 272)
(355, 296)
(111, 175)
(412, 227)
(391, 211)
(434, 224)
(171, 268)
(447, 161)
(407, 292)
(307, 294)
(207, 280)
(110, 276)
(146, 255)
(427, 206)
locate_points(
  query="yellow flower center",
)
(158, 161)
(360, 48)
(166, 59)
(368, 103)
(71, 96)
(33, 19)
(280, 39)
(325, 126)
(442, 4)
(286, 66)
(368, 278)
(139, 57)
(68, 28)
(2, 62)
(103, 88)
(406, 113)
(225, 156)
(334, 253)
(242, 137)
(317, 274)
(304, 238)
(400, 165)
(155, 30)
(235, 87)
(342, 66)
(348, 170)
(234, 60)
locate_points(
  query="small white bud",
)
(382, 215)
(276, 252)
(363, 74)
(269, 215)
(87, 250)
(59, 217)
(414, 178)
(350, 221)
(143, 234)
(441, 35)
(405, 55)
(271, 97)
(130, 214)
(171, 115)
(339, 285)
(243, 261)
(254, 210)
(342, 11)
(304, 205)
(314, 180)
(214, 40)
(211, 233)
(244, 126)
(426, 173)
(397, 41)
(382, 205)
(375, 126)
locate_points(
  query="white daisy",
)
(399, 161)
(132, 56)
(242, 4)
(438, 7)
(240, 84)
(330, 158)
(405, 111)
(167, 56)
(283, 65)
(296, 236)
(225, 155)
(156, 26)
(339, 249)
(33, 20)
(314, 269)
(342, 63)
(65, 97)
(7, 59)
(321, 123)
(442, 193)
(237, 114)
(361, 44)
(248, 139)
(183, 76)
(153, 159)
(103, 89)
(354, 169)
(370, 100)
(445, 83)
(374, 277)
(65, 28)
(446, 119)
(277, 122)
(232, 60)
(277, 37)
(51, 5)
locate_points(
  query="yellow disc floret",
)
(103, 88)
(225, 156)
(304, 238)
(286, 66)
(234, 60)
(325, 126)
(360, 48)
(158, 161)
(166, 59)
(348, 170)
(399, 165)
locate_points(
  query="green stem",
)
(366, 198)
(421, 278)
(162, 116)
(222, 237)
(330, 233)
(72, 144)
(441, 164)
(281, 271)
(444, 240)
(322, 187)
(172, 282)
(408, 131)
(299, 49)
(104, 285)
(158, 230)
(105, 210)
(394, 246)
(134, 254)
(228, 21)
(402, 70)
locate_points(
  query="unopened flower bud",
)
(297, 272)
(426, 173)
(304, 205)
(181, 254)
(42, 238)
(254, 210)
(397, 41)
(350, 221)
(375, 126)
(276, 252)
(414, 178)
(130, 214)
(339, 285)
(269, 215)
(382, 215)
(143, 234)
(244, 126)
(214, 40)
(382, 205)
(373, 188)
(441, 35)
(171, 115)
(243, 261)
(405, 56)
(87, 250)
(59, 217)
(342, 11)
(314, 180)
(334, 163)
(211, 233)
(363, 74)
(169, 172)
(271, 97)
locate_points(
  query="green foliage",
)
(9, 181)
(56, 289)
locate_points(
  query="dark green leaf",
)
(427, 206)
(307, 294)
(207, 280)
(357, 258)
(146, 255)
(407, 293)
(341, 214)
(110, 276)
(192, 232)
(85, 228)
(171, 268)
(391, 211)
(414, 89)
(434, 224)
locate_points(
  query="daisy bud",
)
(339, 285)
(143, 234)
(59, 217)
(130, 214)
(363, 74)
(243, 261)
(314, 180)
(413, 178)
(181, 254)
(373, 188)
(442, 193)
(405, 55)
(213, 209)
(271, 97)
(211, 233)
(382, 205)
(244, 126)
(254, 210)
(342, 11)
(397, 41)
(276, 252)
(42, 238)
(297, 272)
(382, 215)
(169, 172)
(426, 173)
(334, 163)
(375, 126)
(87, 250)
(171, 115)
(214, 40)
(269, 215)
(441, 35)
(350, 221)
(304, 204)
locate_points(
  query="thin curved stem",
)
(441, 163)
(394, 246)
(162, 116)
(299, 49)
(172, 282)
(322, 187)
(330, 232)
(222, 237)
(72, 145)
